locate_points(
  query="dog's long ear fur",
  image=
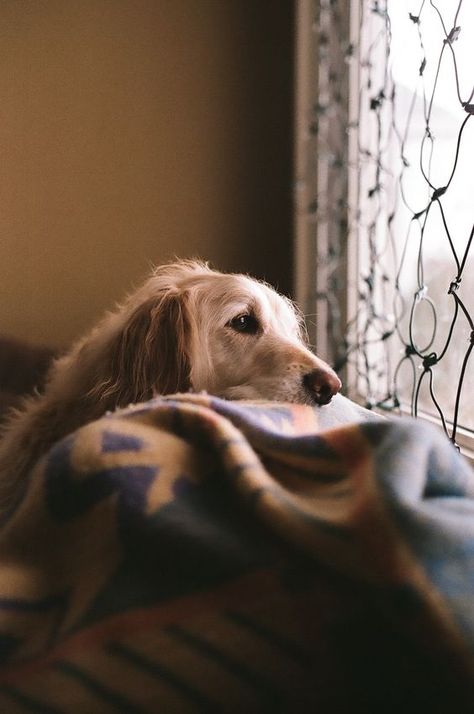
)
(149, 355)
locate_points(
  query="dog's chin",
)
(250, 392)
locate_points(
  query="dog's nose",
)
(322, 384)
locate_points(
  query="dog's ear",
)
(149, 356)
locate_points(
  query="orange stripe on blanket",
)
(238, 592)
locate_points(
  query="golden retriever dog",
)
(186, 328)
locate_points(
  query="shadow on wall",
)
(133, 132)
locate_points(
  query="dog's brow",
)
(249, 307)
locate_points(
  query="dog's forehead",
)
(239, 292)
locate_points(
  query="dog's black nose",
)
(322, 384)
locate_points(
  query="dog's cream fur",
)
(187, 328)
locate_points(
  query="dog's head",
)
(192, 328)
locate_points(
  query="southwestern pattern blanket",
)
(191, 554)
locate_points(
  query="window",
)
(403, 282)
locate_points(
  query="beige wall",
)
(131, 131)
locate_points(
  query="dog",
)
(188, 327)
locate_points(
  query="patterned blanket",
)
(191, 554)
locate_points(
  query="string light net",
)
(408, 336)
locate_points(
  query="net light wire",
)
(372, 337)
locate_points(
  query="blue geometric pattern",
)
(114, 441)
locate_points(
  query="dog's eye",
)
(247, 324)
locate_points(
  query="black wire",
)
(370, 338)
